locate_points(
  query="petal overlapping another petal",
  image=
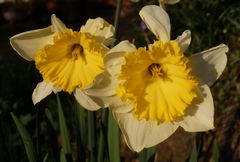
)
(101, 29)
(26, 44)
(184, 40)
(88, 102)
(57, 24)
(115, 57)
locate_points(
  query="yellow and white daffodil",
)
(153, 91)
(67, 60)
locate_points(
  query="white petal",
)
(42, 90)
(209, 65)
(27, 43)
(104, 89)
(101, 29)
(57, 24)
(184, 40)
(201, 116)
(118, 106)
(89, 102)
(115, 57)
(157, 20)
(103, 85)
(142, 134)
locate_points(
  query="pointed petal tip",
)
(224, 46)
(14, 45)
(213, 61)
(53, 16)
(42, 90)
(57, 24)
(157, 21)
(89, 102)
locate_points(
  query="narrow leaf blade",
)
(62, 156)
(216, 152)
(194, 154)
(63, 129)
(113, 140)
(29, 146)
(147, 154)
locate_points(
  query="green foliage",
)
(215, 151)
(113, 139)
(29, 146)
(194, 154)
(63, 129)
(147, 154)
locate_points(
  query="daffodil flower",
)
(67, 60)
(156, 89)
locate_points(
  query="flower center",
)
(77, 51)
(72, 61)
(158, 82)
(155, 70)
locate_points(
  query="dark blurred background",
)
(211, 22)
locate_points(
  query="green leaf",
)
(215, 150)
(92, 136)
(45, 158)
(81, 117)
(26, 118)
(194, 154)
(113, 139)
(29, 147)
(63, 129)
(62, 156)
(50, 118)
(147, 154)
(81, 130)
(102, 148)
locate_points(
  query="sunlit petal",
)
(184, 40)
(103, 85)
(143, 134)
(200, 116)
(157, 21)
(57, 24)
(209, 65)
(115, 56)
(101, 29)
(27, 43)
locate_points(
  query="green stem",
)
(103, 147)
(92, 135)
(81, 131)
(117, 16)
(113, 139)
(37, 132)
